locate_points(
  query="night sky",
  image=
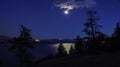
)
(48, 22)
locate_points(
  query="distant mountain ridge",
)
(53, 41)
(5, 39)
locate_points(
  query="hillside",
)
(106, 60)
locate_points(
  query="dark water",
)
(40, 51)
(43, 50)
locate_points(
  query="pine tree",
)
(21, 44)
(116, 33)
(115, 39)
(92, 30)
(78, 45)
(71, 51)
(61, 50)
(92, 27)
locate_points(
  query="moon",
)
(66, 12)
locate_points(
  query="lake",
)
(40, 51)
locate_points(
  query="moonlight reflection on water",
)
(66, 45)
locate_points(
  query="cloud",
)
(72, 4)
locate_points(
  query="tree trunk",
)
(21, 56)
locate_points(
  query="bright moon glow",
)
(66, 12)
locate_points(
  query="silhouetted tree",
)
(61, 50)
(78, 45)
(92, 27)
(20, 46)
(115, 39)
(71, 50)
(92, 30)
(116, 33)
(102, 42)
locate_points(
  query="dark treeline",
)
(20, 47)
(95, 42)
